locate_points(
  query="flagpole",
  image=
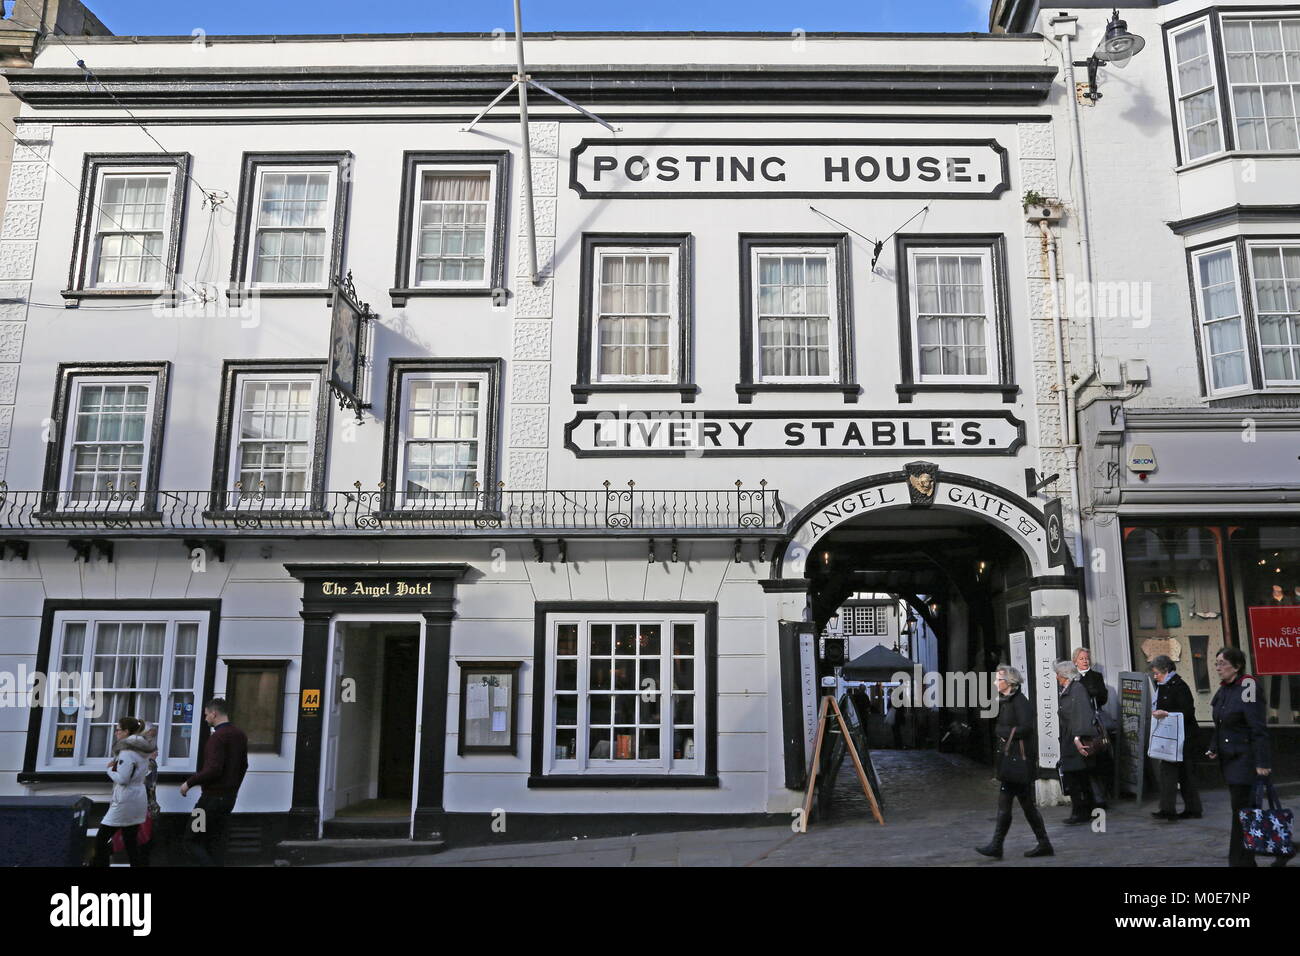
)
(521, 80)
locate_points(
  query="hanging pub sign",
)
(347, 343)
(1055, 533)
(752, 168)
(637, 434)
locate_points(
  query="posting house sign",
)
(628, 434)
(749, 168)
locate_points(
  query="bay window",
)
(1222, 326)
(1250, 331)
(1263, 59)
(1196, 91)
(1275, 281)
(1236, 82)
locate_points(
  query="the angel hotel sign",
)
(749, 168)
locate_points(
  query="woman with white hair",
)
(1075, 717)
(1017, 755)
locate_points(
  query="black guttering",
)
(1015, 84)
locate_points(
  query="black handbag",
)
(1014, 765)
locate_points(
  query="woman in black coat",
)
(1240, 742)
(1015, 727)
(1076, 717)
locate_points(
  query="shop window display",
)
(1176, 587)
(1266, 573)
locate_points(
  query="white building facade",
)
(789, 316)
(1187, 422)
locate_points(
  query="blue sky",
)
(415, 16)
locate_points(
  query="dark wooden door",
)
(397, 731)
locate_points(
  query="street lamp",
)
(1117, 47)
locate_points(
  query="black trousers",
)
(1242, 795)
(104, 845)
(1173, 777)
(1007, 796)
(1079, 783)
(206, 838)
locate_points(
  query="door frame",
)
(369, 591)
(331, 690)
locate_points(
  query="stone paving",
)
(937, 807)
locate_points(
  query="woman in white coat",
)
(127, 770)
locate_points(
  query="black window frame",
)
(31, 773)
(1214, 16)
(684, 245)
(67, 375)
(232, 370)
(412, 160)
(1004, 383)
(88, 212)
(252, 163)
(1257, 393)
(280, 668)
(538, 778)
(467, 668)
(847, 384)
(398, 370)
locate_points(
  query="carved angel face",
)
(923, 483)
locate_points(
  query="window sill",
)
(236, 296)
(686, 390)
(270, 514)
(399, 296)
(747, 390)
(1007, 391)
(87, 776)
(130, 515)
(1232, 154)
(1263, 399)
(72, 297)
(488, 518)
(596, 781)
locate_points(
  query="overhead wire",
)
(168, 271)
(94, 82)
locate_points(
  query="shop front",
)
(1194, 549)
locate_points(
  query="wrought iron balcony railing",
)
(611, 510)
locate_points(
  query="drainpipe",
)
(1063, 393)
(1066, 29)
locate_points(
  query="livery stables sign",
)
(749, 168)
(647, 434)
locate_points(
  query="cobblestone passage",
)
(937, 808)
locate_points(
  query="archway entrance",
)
(969, 575)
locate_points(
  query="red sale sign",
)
(1275, 638)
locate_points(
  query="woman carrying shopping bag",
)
(1240, 744)
(130, 807)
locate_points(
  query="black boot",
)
(1044, 847)
(994, 848)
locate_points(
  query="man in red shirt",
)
(225, 761)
